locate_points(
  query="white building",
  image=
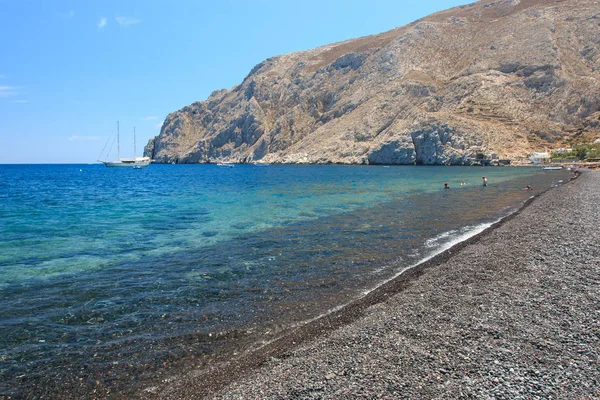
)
(540, 158)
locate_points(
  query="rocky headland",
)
(503, 77)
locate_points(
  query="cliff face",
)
(497, 76)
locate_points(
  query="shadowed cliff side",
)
(497, 76)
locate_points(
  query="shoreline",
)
(122, 365)
(210, 383)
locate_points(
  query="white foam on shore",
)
(434, 241)
(463, 234)
(457, 236)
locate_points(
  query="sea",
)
(116, 278)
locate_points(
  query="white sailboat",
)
(135, 162)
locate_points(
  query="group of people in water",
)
(463, 183)
(485, 183)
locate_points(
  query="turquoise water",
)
(180, 263)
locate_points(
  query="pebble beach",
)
(512, 313)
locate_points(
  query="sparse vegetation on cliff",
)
(580, 152)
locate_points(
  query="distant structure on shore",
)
(540, 158)
(496, 76)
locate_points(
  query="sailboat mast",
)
(134, 152)
(118, 142)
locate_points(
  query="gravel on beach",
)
(512, 314)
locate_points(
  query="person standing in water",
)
(484, 180)
(446, 186)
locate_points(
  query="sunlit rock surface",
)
(493, 77)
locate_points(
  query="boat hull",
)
(118, 164)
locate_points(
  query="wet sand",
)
(513, 312)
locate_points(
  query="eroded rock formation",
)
(497, 76)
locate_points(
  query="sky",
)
(70, 69)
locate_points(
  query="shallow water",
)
(112, 277)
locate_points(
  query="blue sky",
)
(70, 69)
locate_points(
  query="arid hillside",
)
(504, 77)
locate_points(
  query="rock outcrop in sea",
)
(503, 77)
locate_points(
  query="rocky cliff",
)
(496, 76)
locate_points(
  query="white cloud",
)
(83, 138)
(21, 101)
(149, 118)
(126, 21)
(101, 23)
(6, 91)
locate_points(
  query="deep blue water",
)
(110, 276)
